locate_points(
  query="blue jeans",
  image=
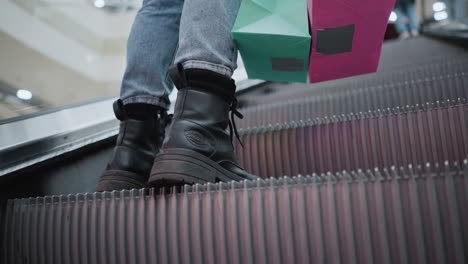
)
(406, 10)
(196, 33)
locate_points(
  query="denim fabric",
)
(408, 10)
(203, 41)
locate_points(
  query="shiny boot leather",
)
(197, 148)
(137, 144)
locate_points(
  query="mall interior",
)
(365, 169)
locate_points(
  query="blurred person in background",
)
(406, 9)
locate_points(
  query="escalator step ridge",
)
(353, 101)
(430, 84)
(356, 142)
(457, 68)
(405, 215)
(383, 112)
(310, 110)
(410, 171)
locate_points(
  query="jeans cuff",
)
(145, 99)
(218, 68)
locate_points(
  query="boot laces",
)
(164, 121)
(232, 123)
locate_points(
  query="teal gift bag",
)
(273, 39)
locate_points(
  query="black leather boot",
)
(197, 148)
(140, 136)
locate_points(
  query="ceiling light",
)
(438, 16)
(24, 94)
(439, 6)
(393, 17)
(89, 58)
(99, 3)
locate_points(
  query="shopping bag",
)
(347, 36)
(273, 39)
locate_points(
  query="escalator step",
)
(365, 141)
(407, 215)
(437, 78)
(328, 106)
(437, 83)
(417, 51)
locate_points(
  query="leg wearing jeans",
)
(207, 47)
(205, 40)
(400, 24)
(150, 51)
(412, 17)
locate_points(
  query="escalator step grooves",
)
(324, 108)
(358, 96)
(405, 215)
(356, 142)
(437, 78)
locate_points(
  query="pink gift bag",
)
(347, 37)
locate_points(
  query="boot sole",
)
(119, 180)
(182, 166)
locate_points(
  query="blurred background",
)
(55, 53)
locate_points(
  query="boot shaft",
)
(199, 123)
(137, 130)
(201, 114)
(138, 140)
(198, 148)
(142, 134)
(201, 107)
(204, 96)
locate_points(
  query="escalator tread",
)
(362, 141)
(385, 159)
(395, 215)
(430, 80)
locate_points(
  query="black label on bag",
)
(287, 64)
(335, 40)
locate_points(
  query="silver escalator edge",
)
(40, 137)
